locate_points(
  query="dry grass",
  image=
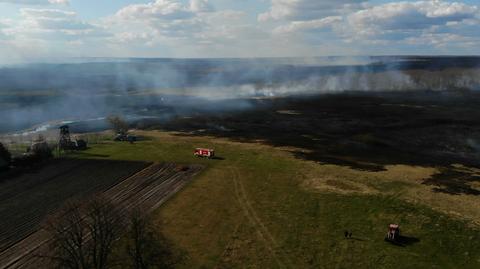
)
(402, 181)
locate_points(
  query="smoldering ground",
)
(31, 94)
(366, 131)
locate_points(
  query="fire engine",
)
(202, 152)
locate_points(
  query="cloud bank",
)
(204, 28)
(37, 2)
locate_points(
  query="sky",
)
(35, 30)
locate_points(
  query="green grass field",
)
(254, 208)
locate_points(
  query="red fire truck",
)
(202, 152)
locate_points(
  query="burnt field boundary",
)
(145, 185)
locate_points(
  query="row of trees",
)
(99, 234)
(38, 152)
(41, 150)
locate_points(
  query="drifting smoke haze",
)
(162, 88)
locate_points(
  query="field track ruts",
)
(148, 189)
(280, 257)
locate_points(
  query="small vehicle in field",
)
(125, 137)
(205, 153)
(393, 233)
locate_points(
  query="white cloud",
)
(162, 19)
(404, 24)
(237, 30)
(195, 28)
(300, 26)
(443, 40)
(191, 29)
(201, 6)
(63, 2)
(50, 25)
(46, 13)
(128, 37)
(2, 35)
(162, 10)
(305, 9)
(36, 2)
(411, 15)
(421, 23)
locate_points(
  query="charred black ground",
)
(360, 130)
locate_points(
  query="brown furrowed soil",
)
(129, 184)
(27, 199)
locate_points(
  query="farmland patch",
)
(126, 183)
(27, 199)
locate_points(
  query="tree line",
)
(99, 234)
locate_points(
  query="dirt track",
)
(148, 188)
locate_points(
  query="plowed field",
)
(25, 201)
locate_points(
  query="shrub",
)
(42, 149)
(5, 157)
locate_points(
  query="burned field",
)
(365, 131)
(27, 200)
(376, 128)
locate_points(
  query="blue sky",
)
(42, 29)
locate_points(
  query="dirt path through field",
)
(261, 229)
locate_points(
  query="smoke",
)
(94, 88)
(474, 144)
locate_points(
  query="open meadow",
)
(257, 206)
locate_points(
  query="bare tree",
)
(119, 125)
(83, 234)
(104, 224)
(68, 238)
